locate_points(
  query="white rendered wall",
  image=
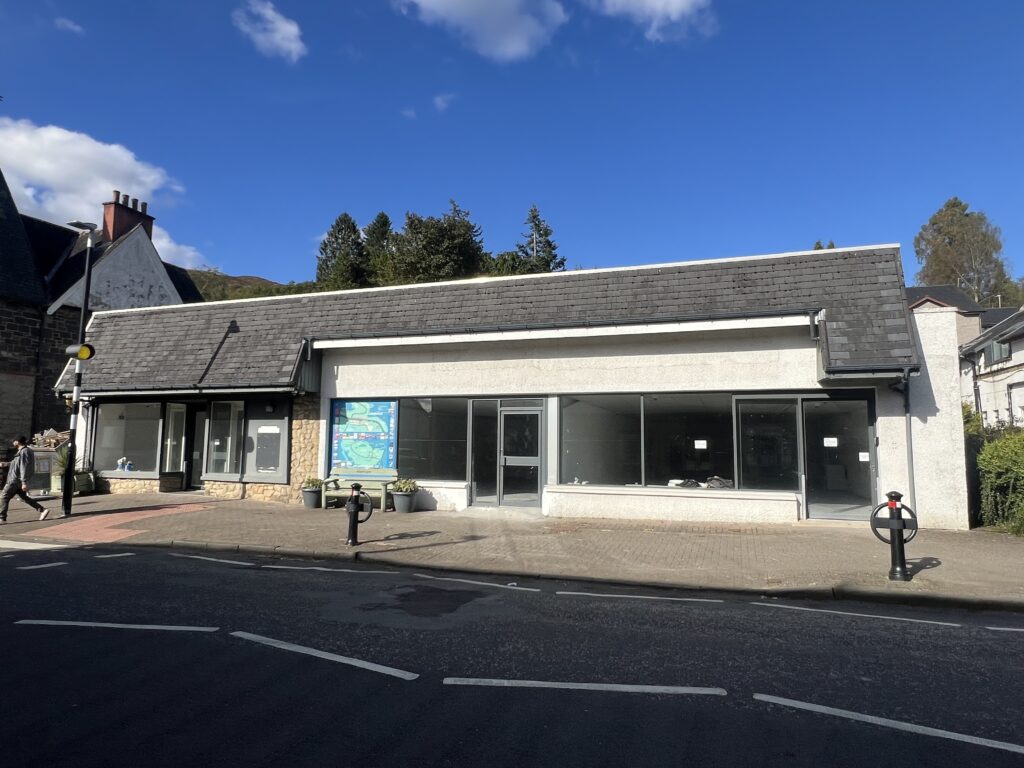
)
(940, 469)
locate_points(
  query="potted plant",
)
(311, 497)
(404, 493)
(84, 480)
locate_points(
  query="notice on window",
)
(831, 442)
(864, 456)
(700, 445)
(364, 433)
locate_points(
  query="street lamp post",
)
(69, 467)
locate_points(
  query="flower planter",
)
(404, 502)
(311, 498)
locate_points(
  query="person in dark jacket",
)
(20, 471)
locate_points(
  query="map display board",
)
(364, 433)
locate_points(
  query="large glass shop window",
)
(127, 434)
(687, 438)
(769, 448)
(432, 438)
(600, 439)
(364, 434)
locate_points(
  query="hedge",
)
(1001, 465)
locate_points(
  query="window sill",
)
(114, 474)
(674, 491)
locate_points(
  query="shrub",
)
(1001, 464)
(404, 485)
(312, 482)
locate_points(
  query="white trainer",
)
(43, 514)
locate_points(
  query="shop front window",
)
(600, 440)
(127, 434)
(224, 453)
(432, 438)
(769, 448)
(687, 438)
(174, 437)
(266, 442)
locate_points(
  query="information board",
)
(364, 434)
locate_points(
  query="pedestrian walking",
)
(20, 471)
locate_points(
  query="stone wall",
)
(127, 485)
(19, 342)
(222, 490)
(59, 331)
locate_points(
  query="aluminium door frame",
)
(500, 453)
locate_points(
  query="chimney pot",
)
(144, 206)
(135, 203)
(124, 200)
(117, 195)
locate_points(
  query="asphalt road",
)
(262, 661)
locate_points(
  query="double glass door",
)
(506, 452)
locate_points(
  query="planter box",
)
(85, 482)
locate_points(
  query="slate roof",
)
(257, 343)
(947, 295)
(20, 278)
(996, 315)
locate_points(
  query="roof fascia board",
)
(492, 280)
(645, 329)
(184, 392)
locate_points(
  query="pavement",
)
(979, 569)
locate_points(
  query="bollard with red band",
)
(897, 554)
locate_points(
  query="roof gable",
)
(20, 275)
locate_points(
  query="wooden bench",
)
(338, 485)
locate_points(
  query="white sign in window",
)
(700, 445)
(831, 442)
(864, 456)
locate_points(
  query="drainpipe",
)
(912, 493)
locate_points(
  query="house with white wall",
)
(780, 388)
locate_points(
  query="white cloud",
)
(271, 33)
(663, 19)
(502, 30)
(408, 113)
(60, 175)
(67, 25)
(443, 100)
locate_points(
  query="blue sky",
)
(645, 130)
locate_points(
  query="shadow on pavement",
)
(917, 564)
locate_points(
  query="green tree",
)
(379, 246)
(537, 252)
(438, 248)
(962, 248)
(819, 247)
(342, 260)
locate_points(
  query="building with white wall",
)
(777, 388)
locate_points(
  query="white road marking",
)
(499, 683)
(320, 568)
(862, 615)
(34, 567)
(119, 554)
(325, 655)
(1006, 629)
(886, 723)
(13, 544)
(210, 559)
(644, 597)
(107, 625)
(478, 583)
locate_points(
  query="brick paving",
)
(980, 568)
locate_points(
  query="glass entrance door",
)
(519, 458)
(839, 459)
(195, 446)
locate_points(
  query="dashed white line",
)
(616, 687)
(119, 554)
(478, 583)
(34, 567)
(321, 568)
(1006, 629)
(108, 625)
(861, 615)
(898, 725)
(644, 597)
(35, 545)
(325, 655)
(210, 559)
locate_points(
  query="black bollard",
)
(898, 556)
(352, 507)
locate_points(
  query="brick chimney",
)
(119, 217)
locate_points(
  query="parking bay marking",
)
(119, 554)
(861, 615)
(1006, 629)
(478, 583)
(210, 559)
(108, 625)
(614, 687)
(34, 567)
(328, 570)
(644, 597)
(325, 655)
(898, 725)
